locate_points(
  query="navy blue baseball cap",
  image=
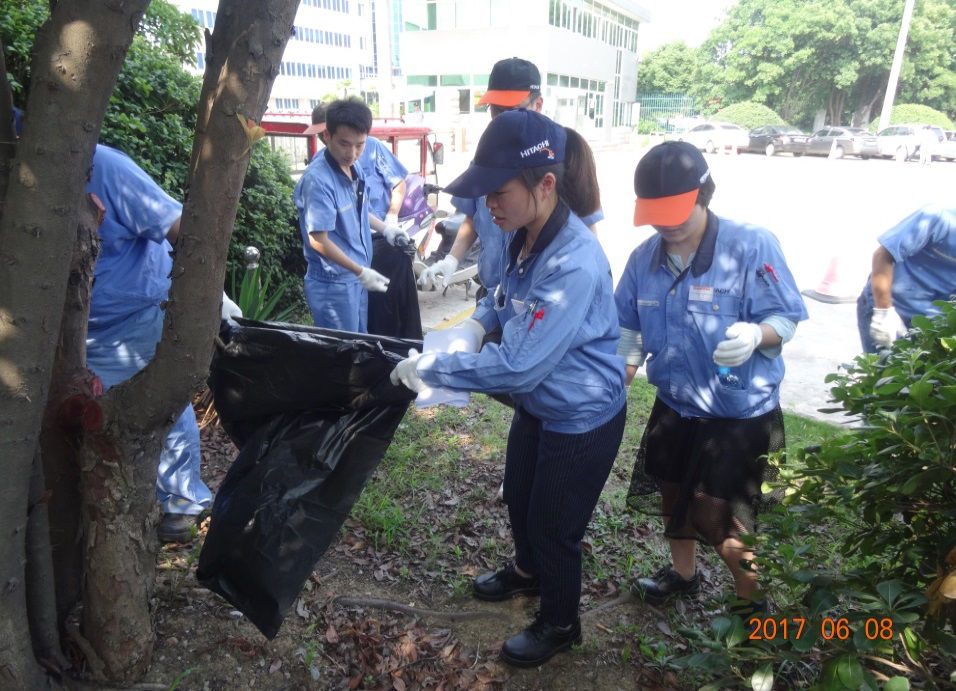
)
(667, 181)
(513, 141)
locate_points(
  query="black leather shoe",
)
(495, 586)
(747, 609)
(176, 527)
(539, 643)
(664, 585)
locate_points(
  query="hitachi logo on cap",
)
(542, 145)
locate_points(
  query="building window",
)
(464, 101)
(454, 80)
(201, 60)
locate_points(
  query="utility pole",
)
(897, 65)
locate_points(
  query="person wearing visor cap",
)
(513, 83)
(557, 358)
(708, 303)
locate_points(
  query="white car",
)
(713, 136)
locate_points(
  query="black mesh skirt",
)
(709, 471)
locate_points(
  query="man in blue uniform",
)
(914, 265)
(708, 302)
(334, 221)
(384, 178)
(513, 83)
(126, 320)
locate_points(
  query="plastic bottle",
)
(728, 379)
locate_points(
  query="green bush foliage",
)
(748, 115)
(861, 547)
(913, 112)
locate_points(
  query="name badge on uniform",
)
(701, 294)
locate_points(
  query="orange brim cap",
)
(665, 211)
(317, 128)
(508, 99)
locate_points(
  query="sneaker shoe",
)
(501, 492)
(539, 643)
(506, 583)
(176, 527)
(665, 584)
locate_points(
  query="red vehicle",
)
(415, 146)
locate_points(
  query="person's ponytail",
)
(578, 187)
(576, 176)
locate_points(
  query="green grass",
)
(436, 484)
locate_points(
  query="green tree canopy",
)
(668, 69)
(797, 56)
(748, 115)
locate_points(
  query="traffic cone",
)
(832, 289)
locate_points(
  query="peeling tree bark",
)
(77, 56)
(119, 461)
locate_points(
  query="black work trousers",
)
(552, 484)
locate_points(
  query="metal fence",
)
(662, 112)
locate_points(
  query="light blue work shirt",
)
(132, 269)
(737, 274)
(923, 246)
(328, 201)
(493, 240)
(558, 353)
(382, 172)
(126, 321)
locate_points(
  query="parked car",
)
(711, 136)
(903, 142)
(947, 146)
(842, 141)
(772, 139)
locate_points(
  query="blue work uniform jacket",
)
(327, 200)
(737, 274)
(132, 269)
(558, 353)
(382, 172)
(923, 246)
(492, 238)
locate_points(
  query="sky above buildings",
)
(687, 20)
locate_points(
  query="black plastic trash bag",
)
(313, 412)
(394, 312)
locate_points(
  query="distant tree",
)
(797, 56)
(671, 69)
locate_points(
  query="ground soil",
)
(203, 643)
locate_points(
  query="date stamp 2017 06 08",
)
(794, 628)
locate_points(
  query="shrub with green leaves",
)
(913, 112)
(865, 539)
(748, 115)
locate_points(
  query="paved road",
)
(821, 210)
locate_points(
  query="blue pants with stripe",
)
(552, 484)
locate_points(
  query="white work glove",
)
(742, 340)
(885, 326)
(446, 267)
(474, 329)
(406, 373)
(229, 309)
(372, 280)
(395, 235)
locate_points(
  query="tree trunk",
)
(119, 461)
(835, 106)
(77, 56)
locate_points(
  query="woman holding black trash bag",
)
(557, 358)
